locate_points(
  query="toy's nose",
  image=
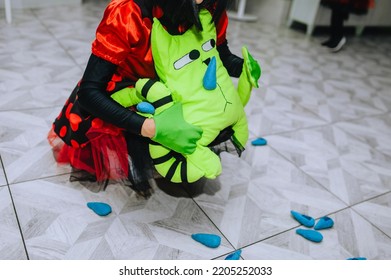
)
(209, 80)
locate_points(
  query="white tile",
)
(326, 117)
(3, 181)
(253, 197)
(347, 167)
(57, 224)
(24, 148)
(378, 212)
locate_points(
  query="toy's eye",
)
(207, 46)
(186, 59)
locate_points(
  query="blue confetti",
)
(259, 142)
(100, 208)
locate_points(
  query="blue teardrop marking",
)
(234, 256)
(209, 240)
(259, 142)
(209, 80)
(145, 107)
(100, 208)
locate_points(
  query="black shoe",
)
(142, 189)
(337, 45)
(326, 43)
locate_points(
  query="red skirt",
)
(104, 156)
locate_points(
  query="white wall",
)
(270, 11)
(273, 12)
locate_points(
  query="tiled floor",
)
(327, 119)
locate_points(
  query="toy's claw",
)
(252, 67)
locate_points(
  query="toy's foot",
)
(209, 240)
(234, 256)
(100, 208)
(310, 234)
(323, 223)
(252, 68)
(303, 219)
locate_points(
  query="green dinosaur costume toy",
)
(193, 84)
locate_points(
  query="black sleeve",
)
(233, 63)
(94, 99)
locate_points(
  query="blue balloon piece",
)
(209, 240)
(310, 234)
(234, 256)
(323, 223)
(259, 142)
(357, 258)
(210, 80)
(100, 208)
(303, 219)
(145, 107)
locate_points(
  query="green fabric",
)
(181, 62)
(251, 73)
(182, 136)
(252, 67)
(127, 97)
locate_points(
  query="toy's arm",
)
(151, 90)
(249, 78)
(155, 93)
(172, 130)
(127, 97)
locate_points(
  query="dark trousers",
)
(338, 16)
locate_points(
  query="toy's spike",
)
(210, 81)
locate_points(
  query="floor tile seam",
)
(372, 224)
(2, 168)
(213, 223)
(15, 211)
(10, 184)
(368, 200)
(371, 198)
(55, 38)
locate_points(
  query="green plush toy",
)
(194, 90)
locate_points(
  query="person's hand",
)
(173, 132)
(148, 129)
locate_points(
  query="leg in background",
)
(337, 38)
